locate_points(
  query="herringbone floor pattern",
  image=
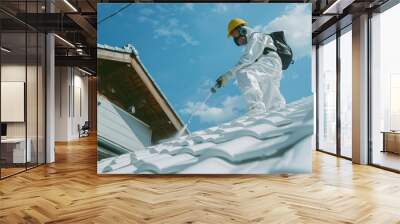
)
(70, 191)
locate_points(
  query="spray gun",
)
(215, 87)
(218, 84)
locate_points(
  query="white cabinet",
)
(19, 155)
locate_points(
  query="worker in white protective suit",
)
(258, 72)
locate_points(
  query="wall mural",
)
(211, 88)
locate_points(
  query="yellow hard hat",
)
(235, 23)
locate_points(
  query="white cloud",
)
(220, 8)
(230, 108)
(296, 23)
(174, 29)
(173, 22)
(224, 7)
(184, 36)
(187, 7)
(205, 86)
(144, 19)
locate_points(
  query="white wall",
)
(16, 73)
(61, 103)
(33, 126)
(12, 73)
(79, 117)
(70, 83)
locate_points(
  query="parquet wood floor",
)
(70, 191)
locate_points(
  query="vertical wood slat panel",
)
(92, 101)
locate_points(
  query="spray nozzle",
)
(215, 87)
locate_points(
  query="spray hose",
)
(213, 90)
(197, 107)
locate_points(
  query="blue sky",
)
(184, 47)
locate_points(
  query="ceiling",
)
(330, 15)
(16, 42)
(76, 22)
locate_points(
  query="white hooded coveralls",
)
(259, 75)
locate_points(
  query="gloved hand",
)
(220, 82)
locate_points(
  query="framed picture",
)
(210, 88)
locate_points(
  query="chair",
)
(84, 130)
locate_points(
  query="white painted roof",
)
(274, 142)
